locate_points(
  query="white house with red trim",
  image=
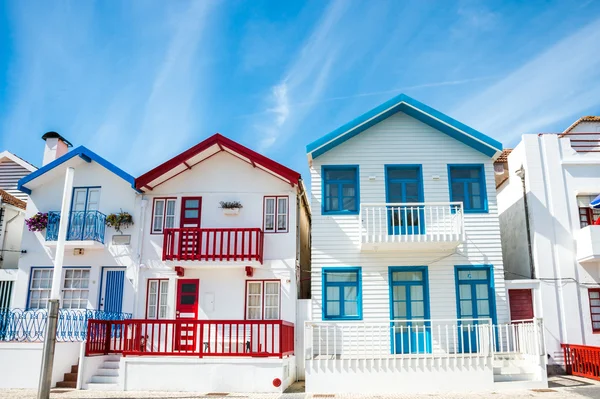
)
(407, 275)
(550, 236)
(225, 234)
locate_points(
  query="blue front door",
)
(404, 184)
(409, 304)
(475, 302)
(111, 299)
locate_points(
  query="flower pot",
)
(231, 211)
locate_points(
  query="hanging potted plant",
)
(37, 222)
(231, 207)
(121, 220)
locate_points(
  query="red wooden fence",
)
(213, 244)
(583, 361)
(200, 338)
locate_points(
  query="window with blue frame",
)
(342, 299)
(340, 190)
(467, 185)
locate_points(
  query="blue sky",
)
(140, 81)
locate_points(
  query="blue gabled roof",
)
(84, 154)
(415, 109)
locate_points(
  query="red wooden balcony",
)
(582, 361)
(218, 244)
(142, 337)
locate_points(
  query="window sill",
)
(342, 318)
(337, 213)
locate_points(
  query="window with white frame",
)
(76, 288)
(156, 306)
(276, 214)
(163, 214)
(263, 300)
(39, 288)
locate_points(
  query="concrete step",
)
(70, 377)
(113, 358)
(511, 363)
(514, 377)
(66, 384)
(110, 372)
(105, 379)
(103, 387)
(111, 364)
(75, 369)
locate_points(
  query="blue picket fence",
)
(84, 225)
(20, 325)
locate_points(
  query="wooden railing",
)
(218, 244)
(141, 337)
(582, 361)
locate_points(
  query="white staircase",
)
(107, 376)
(514, 371)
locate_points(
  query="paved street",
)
(560, 387)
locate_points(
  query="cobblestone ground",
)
(559, 387)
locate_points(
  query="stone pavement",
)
(559, 387)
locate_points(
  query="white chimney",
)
(56, 147)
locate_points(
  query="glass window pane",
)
(191, 213)
(349, 203)
(464, 291)
(465, 173)
(333, 308)
(331, 190)
(281, 222)
(351, 308)
(270, 222)
(332, 204)
(340, 174)
(282, 206)
(333, 293)
(466, 309)
(159, 207)
(594, 294)
(481, 291)
(407, 276)
(192, 203)
(483, 308)
(350, 293)
(403, 173)
(399, 310)
(416, 293)
(399, 293)
(254, 288)
(417, 309)
(270, 206)
(271, 287)
(170, 207)
(341, 276)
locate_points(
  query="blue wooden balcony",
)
(83, 226)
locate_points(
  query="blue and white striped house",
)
(408, 283)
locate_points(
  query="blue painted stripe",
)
(415, 109)
(83, 153)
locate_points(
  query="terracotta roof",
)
(12, 200)
(588, 118)
(504, 156)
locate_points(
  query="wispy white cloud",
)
(554, 85)
(306, 77)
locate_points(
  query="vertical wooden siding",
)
(401, 139)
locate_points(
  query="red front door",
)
(187, 308)
(521, 304)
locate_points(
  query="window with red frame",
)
(587, 214)
(276, 214)
(263, 300)
(594, 295)
(156, 298)
(163, 214)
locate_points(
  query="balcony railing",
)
(393, 223)
(582, 361)
(83, 225)
(30, 325)
(440, 339)
(141, 337)
(219, 244)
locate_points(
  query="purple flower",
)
(37, 222)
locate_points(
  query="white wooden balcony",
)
(427, 226)
(588, 244)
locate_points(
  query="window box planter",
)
(231, 211)
(231, 208)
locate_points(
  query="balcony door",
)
(404, 184)
(82, 224)
(476, 305)
(409, 302)
(191, 210)
(186, 309)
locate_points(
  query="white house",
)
(225, 236)
(12, 214)
(553, 271)
(407, 279)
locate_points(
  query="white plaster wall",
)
(21, 363)
(204, 375)
(401, 139)
(555, 175)
(393, 377)
(13, 223)
(116, 194)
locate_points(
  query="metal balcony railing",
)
(83, 225)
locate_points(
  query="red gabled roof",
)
(207, 148)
